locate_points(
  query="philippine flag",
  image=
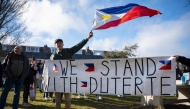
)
(84, 84)
(114, 16)
(55, 69)
(90, 67)
(165, 64)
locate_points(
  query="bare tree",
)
(128, 51)
(12, 29)
(187, 4)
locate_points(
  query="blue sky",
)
(161, 35)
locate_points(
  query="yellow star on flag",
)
(106, 17)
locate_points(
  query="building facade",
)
(45, 52)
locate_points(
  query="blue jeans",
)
(40, 84)
(7, 87)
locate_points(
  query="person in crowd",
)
(66, 53)
(88, 51)
(16, 68)
(40, 70)
(178, 73)
(34, 69)
(26, 86)
(187, 69)
(183, 70)
(1, 73)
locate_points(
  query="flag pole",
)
(92, 24)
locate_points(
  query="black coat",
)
(178, 74)
(1, 73)
(29, 78)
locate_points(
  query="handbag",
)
(31, 91)
(38, 75)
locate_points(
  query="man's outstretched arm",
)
(78, 46)
(183, 60)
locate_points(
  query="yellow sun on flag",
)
(106, 17)
(161, 64)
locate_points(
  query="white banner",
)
(125, 76)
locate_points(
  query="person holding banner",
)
(64, 54)
(183, 60)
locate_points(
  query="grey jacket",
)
(7, 66)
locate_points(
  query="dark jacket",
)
(178, 74)
(34, 71)
(1, 73)
(29, 77)
(184, 60)
(67, 53)
(7, 66)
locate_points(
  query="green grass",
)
(108, 102)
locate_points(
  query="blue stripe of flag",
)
(89, 65)
(119, 9)
(166, 62)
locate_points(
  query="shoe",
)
(85, 96)
(96, 97)
(100, 97)
(78, 96)
(120, 95)
(53, 100)
(41, 91)
(71, 96)
(46, 98)
(32, 99)
(26, 104)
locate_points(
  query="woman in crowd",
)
(34, 70)
(26, 85)
(40, 70)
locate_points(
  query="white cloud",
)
(51, 18)
(162, 38)
(104, 44)
(83, 3)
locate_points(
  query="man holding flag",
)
(104, 18)
(64, 54)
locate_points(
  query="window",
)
(53, 49)
(79, 52)
(32, 49)
(98, 52)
